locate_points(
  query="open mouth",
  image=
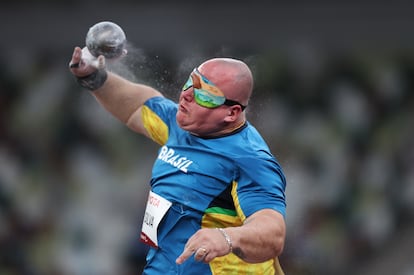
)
(182, 108)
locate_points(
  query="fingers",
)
(205, 245)
(76, 58)
(200, 254)
(83, 63)
(185, 255)
(101, 62)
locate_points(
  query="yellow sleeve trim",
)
(239, 211)
(155, 126)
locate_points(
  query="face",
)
(203, 107)
(197, 119)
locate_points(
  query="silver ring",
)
(203, 250)
(200, 254)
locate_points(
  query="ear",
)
(233, 113)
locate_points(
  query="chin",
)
(181, 122)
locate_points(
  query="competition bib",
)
(156, 209)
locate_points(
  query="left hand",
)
(206, 244)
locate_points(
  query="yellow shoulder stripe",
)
(155, 126)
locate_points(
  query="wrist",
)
(227, 239)
(93, 81)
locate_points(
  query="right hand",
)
(83, 63)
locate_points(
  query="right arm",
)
(122, 98)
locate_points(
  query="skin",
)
(262, 235)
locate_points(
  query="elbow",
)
(269, 249)
(133, 122)
(278, 246)
(279, 242)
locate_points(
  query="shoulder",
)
(251, 142)
(158, 118)
(158, 102)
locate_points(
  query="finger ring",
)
(203, 250)
(74, 65)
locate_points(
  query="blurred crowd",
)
(74, 181)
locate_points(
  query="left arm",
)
(260, 238)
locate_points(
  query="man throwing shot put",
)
(217, 200)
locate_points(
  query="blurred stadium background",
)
(333, 98)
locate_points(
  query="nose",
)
(188, 95)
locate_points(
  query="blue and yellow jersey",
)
(211, 182)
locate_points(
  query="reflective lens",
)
(206, 99)
(188, 84)
(207, 94)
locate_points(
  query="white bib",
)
(156, 209)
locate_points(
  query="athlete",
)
(217, 198)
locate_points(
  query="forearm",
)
(261, 237)
(123, 98)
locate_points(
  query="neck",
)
(227, 131)
(235, 127)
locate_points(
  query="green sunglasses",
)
(206, 94)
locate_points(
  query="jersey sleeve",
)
(158, 113)
(261, 185)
